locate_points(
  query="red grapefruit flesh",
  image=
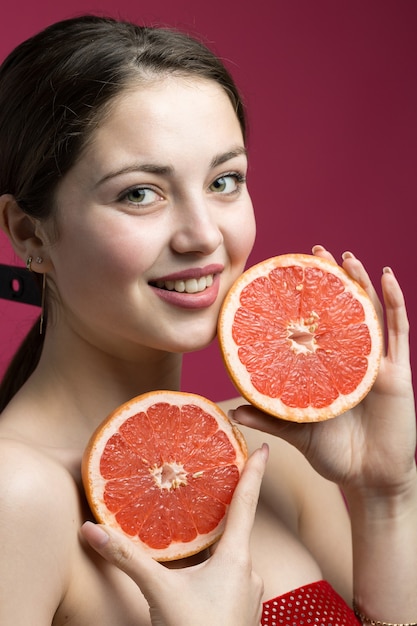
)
(300, 339)
(163, 468)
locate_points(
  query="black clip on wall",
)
(17, 284)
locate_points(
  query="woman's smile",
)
(191, 289)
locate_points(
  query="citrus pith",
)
(163, 468)
(300, 338)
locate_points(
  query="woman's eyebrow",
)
(227, 156)
(152, 168)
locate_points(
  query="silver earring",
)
(42, 303)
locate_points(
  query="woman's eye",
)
(227, 184)
(141, 196)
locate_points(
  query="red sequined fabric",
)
(317, 604)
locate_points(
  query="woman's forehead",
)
(168, 127)
(148, 115)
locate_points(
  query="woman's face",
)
(155, 221)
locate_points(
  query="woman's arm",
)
(383, 505)
(370, 453)
(35, 523)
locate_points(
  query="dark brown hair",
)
(55, 89)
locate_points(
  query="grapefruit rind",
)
(95, 484)
(242, 378)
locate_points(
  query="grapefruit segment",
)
(163, 468)
(300, 338)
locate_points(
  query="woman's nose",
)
(196, 229)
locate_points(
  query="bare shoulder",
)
(38, 499)
(24, 469)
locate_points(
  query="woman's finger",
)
(396, 316)
(320, 251)
(241, 514)
(357, 271)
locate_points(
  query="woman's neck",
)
(75, 386)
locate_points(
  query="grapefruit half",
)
(163, 468)
(300, 339)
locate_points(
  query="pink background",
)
(331, 89)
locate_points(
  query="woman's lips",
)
(190, 289)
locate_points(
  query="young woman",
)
(122, 184)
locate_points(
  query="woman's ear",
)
(21, 229)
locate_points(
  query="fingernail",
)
(318, 248)
(265, 450)
(231, 416)
(96, 536)
(387, 270)
(348, 255)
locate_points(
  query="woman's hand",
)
(372, 446)
(223, 590)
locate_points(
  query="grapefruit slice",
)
(300, 339)
(163, 468)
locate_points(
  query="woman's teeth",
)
(191, 285)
